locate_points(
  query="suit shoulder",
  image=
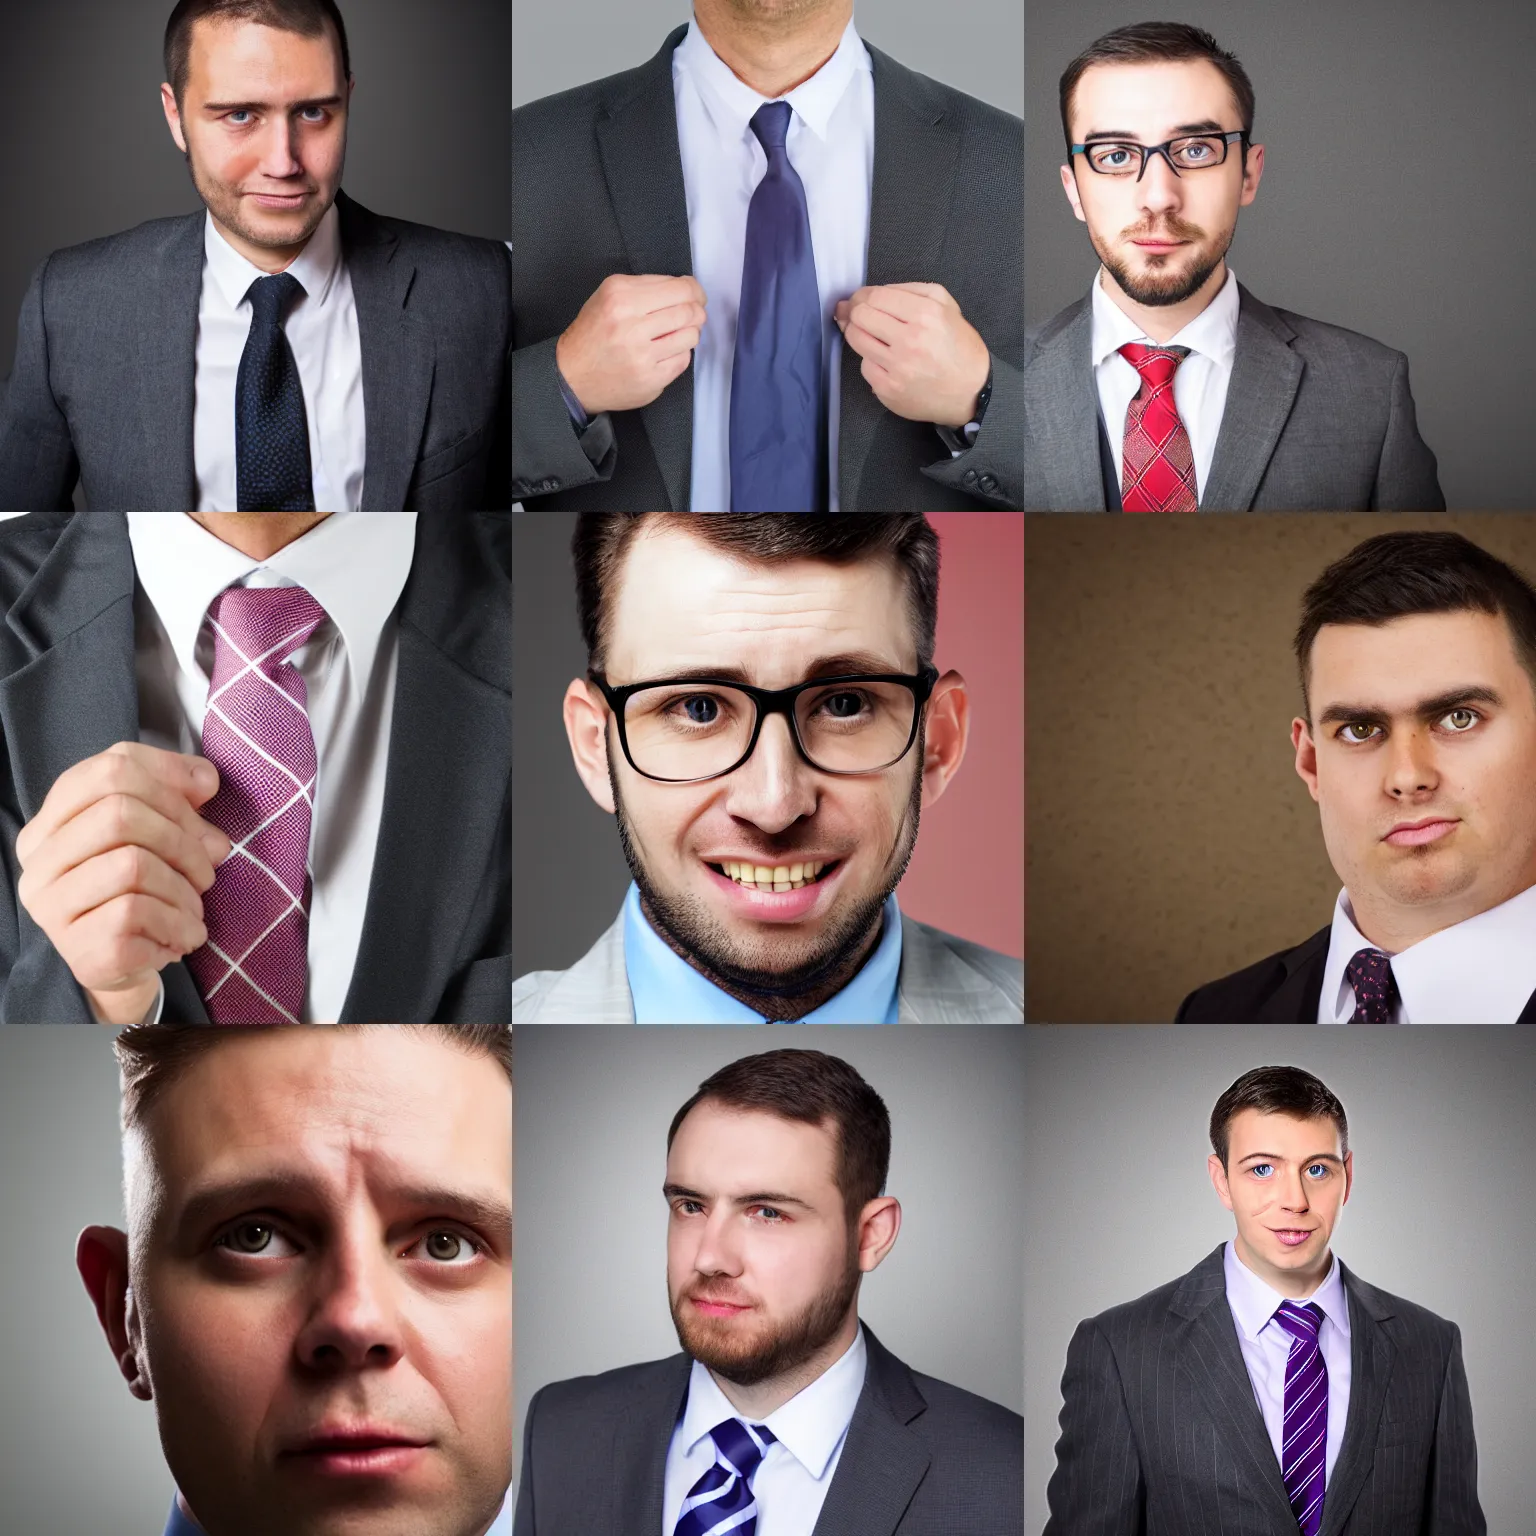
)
(1003, 971)
(972, 113)
(1416, 1320)
(428, 241)
(968, 1413)
(1047, 331)
(581, 1398)
(529, 992)
(584, 103)
(1340, 346)
(1236, 998)
(1138, 1317)
(112, 254)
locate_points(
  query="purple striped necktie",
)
(1304, 1437)
(722, 1501)
(256, 733)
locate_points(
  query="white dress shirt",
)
(321, 328)
(1199, 386)
(355, 565)
(1481, 971)
(1266, 1348)
(831, 145)
(792, 1481)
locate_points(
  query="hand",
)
(924, 360)
(114, 867)
(631, 339)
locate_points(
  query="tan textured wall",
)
(1169, 840)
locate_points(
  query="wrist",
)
(123, 1007)
(570, 380)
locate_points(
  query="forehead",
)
(1252, 1130)
(1153, 100)
(719, 1149)
(682, 603)
(232, 52)
(1416, 657)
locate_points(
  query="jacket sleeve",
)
(993, 469)
(1407, 478)
(38, 466)
(549, 452)
(526, 1521)
(1453, 1508)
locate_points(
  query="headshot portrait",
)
(282, 346)
(763, 1345)
(272, 1288)
(257, 768)
(765, 710)
(1368, 679)
(788, 267)
(1278, 1295)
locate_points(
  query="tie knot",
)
(1300, 1319)
(1156, 365)
(1370, 974)
(742, 1446)
(271, 296)
(771, 125)
(263, 625)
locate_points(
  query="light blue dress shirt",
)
(665, 989)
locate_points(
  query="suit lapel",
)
(1528, 1013)
(1371, 1356)
(637, 1456)
(167, 352)
(1062, 404)
(1295, 1000)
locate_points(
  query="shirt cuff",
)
(572, 404)
(155, 1008)
(962, 441)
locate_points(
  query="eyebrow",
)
(761, 1197)
(1206, 125)
(824, 666)
(1425, 709)
(266, 106)
(1275, 1157)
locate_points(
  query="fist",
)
(631, 339)
(114, 867)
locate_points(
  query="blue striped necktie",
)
(1304, 1436)
(722, 1503)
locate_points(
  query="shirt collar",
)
(1254, 1302)
(1212, 333)
(810, 1426)
(315, 266)
(732, 103)
(179, 1525)
(665, 989)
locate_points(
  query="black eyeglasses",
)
(1188, 152)
(683, 730)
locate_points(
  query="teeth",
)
(779, 877)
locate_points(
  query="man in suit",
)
(315, 1285)
(783, 1407)
(1171, 388)
(332, 689)
(1270, 1389)
(833, 241)
(285, 349)
(1417, 655)
(762, 717)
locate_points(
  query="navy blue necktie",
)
(778, 424)
(271, 436)
(722, 1500)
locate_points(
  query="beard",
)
(224, 203)
(1166, 284)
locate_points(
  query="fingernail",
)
(207, 775)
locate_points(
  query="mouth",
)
(273, 200)
(1292, 1237)
(1413, 834)
(717, 1308)
(781, 893)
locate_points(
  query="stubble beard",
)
(223, 202)
(1161, 288)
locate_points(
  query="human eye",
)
(1262, 1170)
(772, 1215)
(1460, 720)
(450, 1249)
(1319, 1170)
(849, 704)
(320, 114)
(240, 118)
(694, 711)
(1357, 731)
(686, 1207)
(254, 1238)
(1113, 157)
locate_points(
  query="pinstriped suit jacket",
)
(1161, 1434)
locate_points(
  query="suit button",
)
(969, 477)
(547, 486)
(989, 483)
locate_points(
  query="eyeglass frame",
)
(771, 701)
(1148, 150)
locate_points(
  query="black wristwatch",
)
(983, 399)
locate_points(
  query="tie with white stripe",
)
(1304, 1437)
(722, 1503)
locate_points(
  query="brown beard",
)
(1162, 288)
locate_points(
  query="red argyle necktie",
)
(1157, 468)
(256, 733)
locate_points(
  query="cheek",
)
(463, 1347)
(216, 1357)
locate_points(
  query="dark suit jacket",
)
(1285, 988)
(1317, 419)
(598, 178)
(922, 1458)
(103, 387)
(1161, 1434)
(437, 930)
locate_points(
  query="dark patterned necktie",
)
(272, 472)
(722, 1503)
(1157, 464)
(778, 424)
(1370, 974)
(1304, 1437)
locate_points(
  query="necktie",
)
(256, 733)
(722, 1500)
(1370, 974)
(1157, 467)
(1304, 1438)
(271, 437)
(778, 424)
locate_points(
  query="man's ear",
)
(101, 1256)
(586, 727)
(172, 116)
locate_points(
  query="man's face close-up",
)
(1160, 237)
(311, 1274)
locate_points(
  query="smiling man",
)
(1127, 391)
(1270, 1388)
(762, 716)
(1417, 654)
(315, 1287)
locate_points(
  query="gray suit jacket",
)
(1161, 1434)
(922, 1458)
(103, 387)
(600, 181)
(437, 928)
(1318, 419)
(943, 980)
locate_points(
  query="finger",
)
(936, 291)
(678, 342)
(875, 375)
(122, 872)
(899, 303)
(677, 317)
(136, 917)
(865, 344)
(675, 290)
(884, 327)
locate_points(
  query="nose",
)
(718, 1253)
(279, 159)
(1293, 1196)
(1410, 765)
(1160, 190)
(353, 1322)
(773, 788)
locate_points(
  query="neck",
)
(1162, 322)
(1393, 929)
(257, 534)
(764, 1397)
(775, 53)
(1293, 1284)
(270, 259)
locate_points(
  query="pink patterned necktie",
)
(256, 733)
(1158, 466)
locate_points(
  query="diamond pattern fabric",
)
(272, 469)
(1370, 974)
(1157, 465)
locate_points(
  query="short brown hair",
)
(150, 1057)
(306, 17)
(1151, 42)
(602, 539)
(811, 1088)
(1276, 1091)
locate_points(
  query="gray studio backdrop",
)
(88, 152)
(977, 46)
(593, 1107)
(1117, 1200)
(1384, 207)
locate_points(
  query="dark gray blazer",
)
(922, 1458)
(597, 178)
(103, 388)
(1318, 419)
(437, 929)
(1161, 1434)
